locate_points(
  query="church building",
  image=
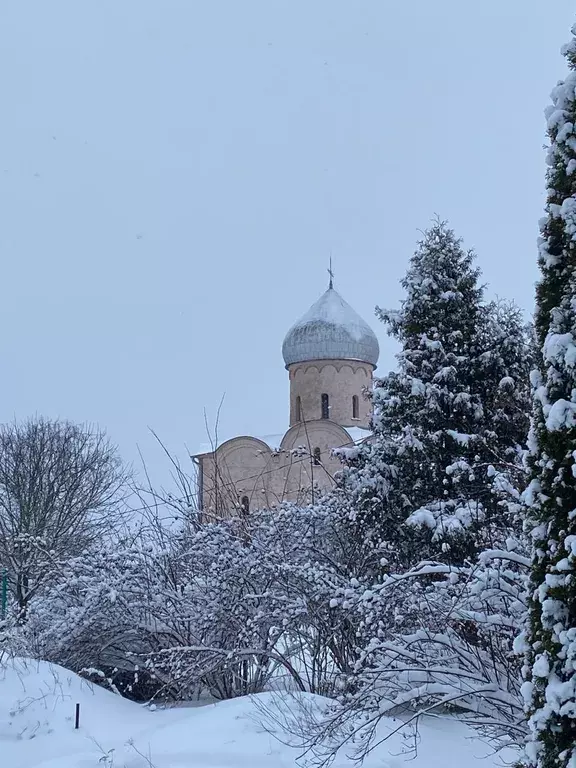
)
(330, 355)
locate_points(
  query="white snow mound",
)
(37, 706)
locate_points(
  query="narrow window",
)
(355, 407)
(317, 456)
(245, 504)
(298, 409)
(325, 407)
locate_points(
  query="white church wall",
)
(341, 381)
(245, 473)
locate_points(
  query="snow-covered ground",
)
(37, 705)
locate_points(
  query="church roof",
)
(357, 435)
(330, 330)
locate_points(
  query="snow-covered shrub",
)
(437, 639)
(218, 619)
(12, 639)
(96, 616)
(260, 591)
(225, 607)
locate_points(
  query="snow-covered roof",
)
(357, 434)
(330, 330)
(272, 441)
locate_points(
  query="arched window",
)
(245, 504)
(298, 409)
(355, 407)
(325, 406)
(317, 456)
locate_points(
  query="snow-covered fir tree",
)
(503, 359)
(449, 420)
(550, 641)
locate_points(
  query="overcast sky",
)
(175, 174)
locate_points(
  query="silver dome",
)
(330, 330)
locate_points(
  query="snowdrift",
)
(37, 707)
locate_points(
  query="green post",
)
(4, 592)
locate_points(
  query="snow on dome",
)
(330, 330)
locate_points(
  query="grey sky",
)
(175, 174)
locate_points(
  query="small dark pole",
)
(77, 721)
(4, 593)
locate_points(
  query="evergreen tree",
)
(429, 408)
(550, 687)
(450, 421)
(503, 360)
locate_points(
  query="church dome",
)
(330, 330)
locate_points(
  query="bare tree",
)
(61, 489)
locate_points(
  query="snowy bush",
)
(437, 639)
(224, 607)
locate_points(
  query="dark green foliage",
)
(449, 423)
(551, 633)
